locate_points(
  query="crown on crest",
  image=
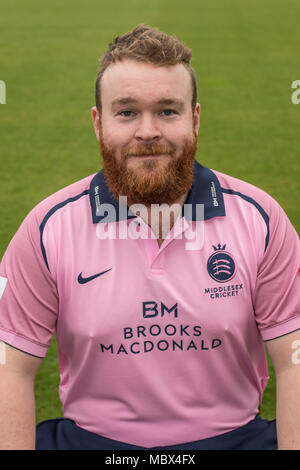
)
(219, 248)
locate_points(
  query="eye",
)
(168, 112)
(126, 113)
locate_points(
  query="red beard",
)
(156, 185)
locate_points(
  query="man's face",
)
(147, 131)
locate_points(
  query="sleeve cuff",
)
(281, 329)
(23, 344)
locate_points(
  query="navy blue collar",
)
(205, 190)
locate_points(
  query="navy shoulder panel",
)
(258, 207)
(49, 214)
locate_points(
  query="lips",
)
(151, 155)
(150, 151)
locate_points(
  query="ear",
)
(96, 121)
(196, 118)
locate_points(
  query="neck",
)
(160, 217)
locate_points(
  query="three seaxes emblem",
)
(220, 265)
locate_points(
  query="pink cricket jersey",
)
(156, 346)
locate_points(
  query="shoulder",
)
(33, 224)
(237, 191)
(29, 237)
(238, 194)
(61, 198)
(234, 186)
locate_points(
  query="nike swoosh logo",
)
(84, 280)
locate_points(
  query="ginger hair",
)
(150, 45)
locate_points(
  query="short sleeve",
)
(277, 293)
(28, 294)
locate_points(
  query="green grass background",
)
(245, 53)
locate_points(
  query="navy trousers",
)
(64, 434)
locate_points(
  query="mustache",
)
(148, 149)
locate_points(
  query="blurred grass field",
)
(245, 53)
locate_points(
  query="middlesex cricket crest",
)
(220, 265)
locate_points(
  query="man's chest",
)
(128, 292)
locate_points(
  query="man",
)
(161, 315)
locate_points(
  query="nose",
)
(147, 129)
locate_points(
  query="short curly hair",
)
(150, 45)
